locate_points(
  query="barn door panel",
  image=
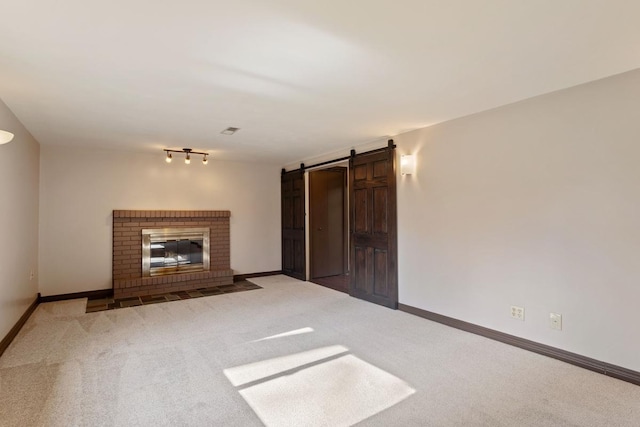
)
(373, 229)
(293, 225)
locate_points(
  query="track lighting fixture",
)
(187, 158)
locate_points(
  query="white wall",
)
(535, 204)
(81, 187)
(19, 162)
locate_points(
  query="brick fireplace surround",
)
(127, 251)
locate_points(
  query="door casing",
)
(328, 231)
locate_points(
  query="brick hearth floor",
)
(110, 303)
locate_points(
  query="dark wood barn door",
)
(373, 229)
(327, 222)
(293, 225)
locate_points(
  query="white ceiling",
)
(300, 78)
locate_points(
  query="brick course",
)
(127, 251)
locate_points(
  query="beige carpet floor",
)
(291, 354)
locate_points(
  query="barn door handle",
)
(319, 228)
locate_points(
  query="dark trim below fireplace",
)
(241, 277)
(13, 332)
(175, 282)
(99, 294)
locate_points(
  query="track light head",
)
(205, 160)
(169, 157)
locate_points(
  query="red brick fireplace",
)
(128, 280)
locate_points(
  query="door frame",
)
(345, 211)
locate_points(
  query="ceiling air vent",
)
(230, 131)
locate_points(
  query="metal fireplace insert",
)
(174, 250)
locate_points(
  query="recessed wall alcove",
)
(128, 226)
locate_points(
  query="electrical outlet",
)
(517, 312)
(555, 321)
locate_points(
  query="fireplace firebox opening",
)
(174, 250)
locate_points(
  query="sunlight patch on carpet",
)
(286, 334)
(244, 374)
(340, 391)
